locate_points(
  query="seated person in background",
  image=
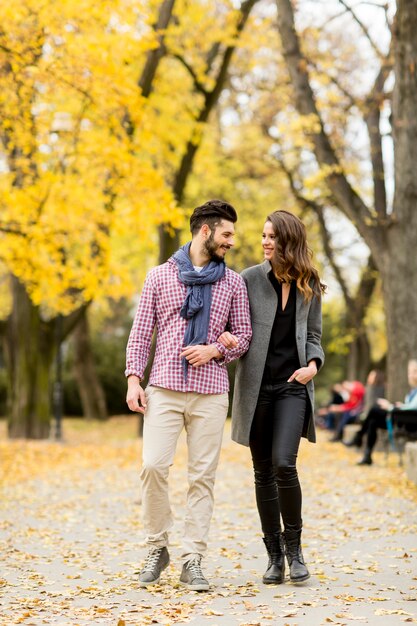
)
(377, 415)
(338, 395)
(348, 411)
(374, 389)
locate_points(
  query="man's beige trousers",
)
(203, 417)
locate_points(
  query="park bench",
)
(403, 429)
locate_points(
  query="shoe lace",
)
(152, 558)
(194, 566)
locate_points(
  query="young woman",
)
(274, 393)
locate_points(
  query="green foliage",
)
(109, 334)
(334, 369)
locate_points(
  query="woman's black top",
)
(282, 358)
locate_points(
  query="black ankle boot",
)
(276, 564)
(366, 459)
(298, 569)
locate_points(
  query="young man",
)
(191, 299)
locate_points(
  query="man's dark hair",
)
(211, 213)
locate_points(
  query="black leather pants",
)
(376, 419)
(275, 437)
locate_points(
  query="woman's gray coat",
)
(263, 303)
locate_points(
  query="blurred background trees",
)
(118, 117)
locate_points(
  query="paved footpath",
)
(71, 542)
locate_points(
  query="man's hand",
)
(228, 340)
(135, 397)
(304, 374)
(200, 355)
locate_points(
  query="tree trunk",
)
(400, 300)
(29, 349)
(91, 392)
(359, 357)
(400, 266)
(391, 238)
(169, 241)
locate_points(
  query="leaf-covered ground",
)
(71, 538)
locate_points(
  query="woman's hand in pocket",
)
(304, 374)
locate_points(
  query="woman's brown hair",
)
(292, 256)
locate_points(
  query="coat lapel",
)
(300, 308)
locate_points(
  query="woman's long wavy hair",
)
(292, 256)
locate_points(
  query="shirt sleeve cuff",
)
(133, 373)
(223, 351)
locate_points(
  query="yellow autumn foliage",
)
(79, 196)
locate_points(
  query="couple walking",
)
(205, 316)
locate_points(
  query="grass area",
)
(85, 444)
(118, 428)
(76, 430)
(92, 444)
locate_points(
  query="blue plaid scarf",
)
(197, 303)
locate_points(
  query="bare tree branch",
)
(154, 56)
(70, 321)
(330, 19)
(212, 55)
(373, 105)
(11, 231)
(356, 305)
(318, 209)
(373, 4)
(210, 100)
(153, 59)
(197, 85)
(363, 29)
(335, 81)
(347, 198)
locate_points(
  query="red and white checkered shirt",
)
(160, 303)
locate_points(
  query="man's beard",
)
(211, 247)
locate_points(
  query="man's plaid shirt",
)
(160, 303)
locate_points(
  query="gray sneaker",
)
(156, 561)
(192, 577)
